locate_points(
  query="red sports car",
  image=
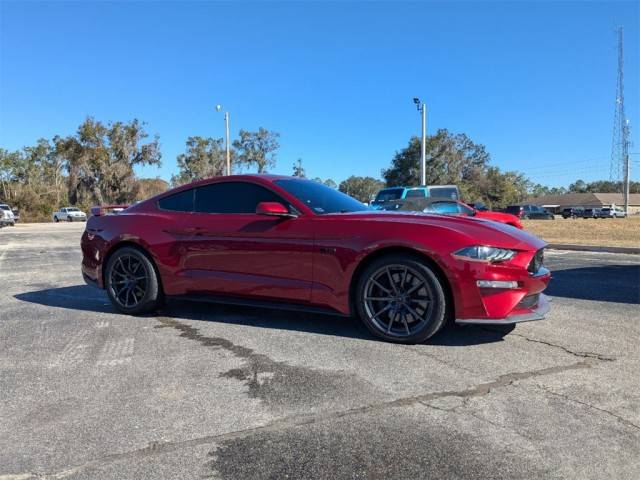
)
(276, 240)
(447, 206)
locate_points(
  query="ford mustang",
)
(282, 241)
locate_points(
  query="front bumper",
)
(537, 314)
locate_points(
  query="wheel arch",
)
(382, 252)
(128, 243)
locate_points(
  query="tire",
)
(124, 271)
(405, 319)
(55, 219)
(69, 219)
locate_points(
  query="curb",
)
(593, 248)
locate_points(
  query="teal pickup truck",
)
(386, 195)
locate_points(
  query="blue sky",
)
(533, 81)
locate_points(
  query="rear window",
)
(389, 194)
(417, 193)
(178, 202)
(4, 207)
(513, 209)
(444, 192)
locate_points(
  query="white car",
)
(6, 215)
(69, 214)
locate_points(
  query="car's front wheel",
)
(400, 299)
(55, 219)
(132, 282)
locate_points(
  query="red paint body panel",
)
(310, 259)
(500, 217)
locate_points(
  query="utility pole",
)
(226, 142)
(226, 124)
(619, 138)
(422, 108)
(625, 153)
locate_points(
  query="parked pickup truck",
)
(69, 214)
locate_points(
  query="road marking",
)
(3, 252)
(74, 352)
(116, 352)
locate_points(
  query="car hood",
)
(478, 231)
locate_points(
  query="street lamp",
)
(226, 125)
(422, 108)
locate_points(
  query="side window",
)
(232, 197)
(178, 202)
(445, 207)
(415, 194)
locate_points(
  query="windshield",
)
(72, 210)
(389, 194)
(4, 207)
(320, 198)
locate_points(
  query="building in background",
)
(555, 203)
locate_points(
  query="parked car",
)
(400, 193)
(591, 213)
(533, 212)
(274, 240)
(6, 215)
(613, 212)
(451, 207)
(16, 214)
(479, 206)
(573, 212)
(69, 214)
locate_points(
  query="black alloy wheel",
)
(399, 298)
(131, 282)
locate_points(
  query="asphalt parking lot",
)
(208, 391)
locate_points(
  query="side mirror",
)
(274, 209)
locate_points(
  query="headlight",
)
(480, 253)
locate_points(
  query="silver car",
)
(613, 212)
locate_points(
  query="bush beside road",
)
(620, 232)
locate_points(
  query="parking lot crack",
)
(298, 420)
(596, 356)
(589, 405)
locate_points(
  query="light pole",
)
(227, 146)
(422, 108)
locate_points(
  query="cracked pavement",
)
(212, 391)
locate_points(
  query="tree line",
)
(96, 165)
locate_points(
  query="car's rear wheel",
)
(69, 219)
(55, 219)
(132, 282)
(400, 299)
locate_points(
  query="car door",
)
(234, 251)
